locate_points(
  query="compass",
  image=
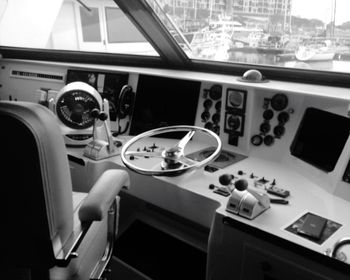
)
(73, 106)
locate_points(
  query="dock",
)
(285, 57)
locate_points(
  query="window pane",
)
(90, 23)
(308, 34)
(120, 29)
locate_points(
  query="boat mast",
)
(285, 16)
(333, 18)
(195, 9)
(210, 9)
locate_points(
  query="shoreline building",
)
(274, 16)
(271, 15)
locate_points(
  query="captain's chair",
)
(48, 231)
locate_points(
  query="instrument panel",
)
(254, 120)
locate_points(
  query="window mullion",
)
(151, 27)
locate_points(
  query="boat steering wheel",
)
(172, 161)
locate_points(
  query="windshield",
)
(302, 34)
(308, 34)
(78, 25)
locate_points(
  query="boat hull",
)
(314, 56)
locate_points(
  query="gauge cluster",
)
(235, 107)
(210, 111)
(276, 114)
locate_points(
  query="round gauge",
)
(209, 125)
(265, 127)
(215, 92)
(236, 99)
(216, 118)
(205, 116)
(256, 140)
(269, 140)
(233, 122)
(207, 104)
(268, 114)
(218, 106)
(279, 102)
(74, 105)
(283, 117)
(279, 131)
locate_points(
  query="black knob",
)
(241, 184)
(226, 179)
(118, 143)
(103, 116)
(240, 172)
(95, 113)
(211, 186)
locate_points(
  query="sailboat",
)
(315, 52)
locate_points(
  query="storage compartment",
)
(158, 255)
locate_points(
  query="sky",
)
(322, 9)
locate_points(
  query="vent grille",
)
(36, 75)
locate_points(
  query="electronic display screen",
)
(164, 102)
(320, 138)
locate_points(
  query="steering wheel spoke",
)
(183, 142)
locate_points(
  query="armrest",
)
(102, 194)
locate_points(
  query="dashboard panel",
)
(254, 120)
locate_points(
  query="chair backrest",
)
(36, 190)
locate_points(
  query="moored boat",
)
(315, 52)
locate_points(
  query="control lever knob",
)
(95, 113)
(226, 179)
(241, 184)
(103, 116)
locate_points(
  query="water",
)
(272, 59)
